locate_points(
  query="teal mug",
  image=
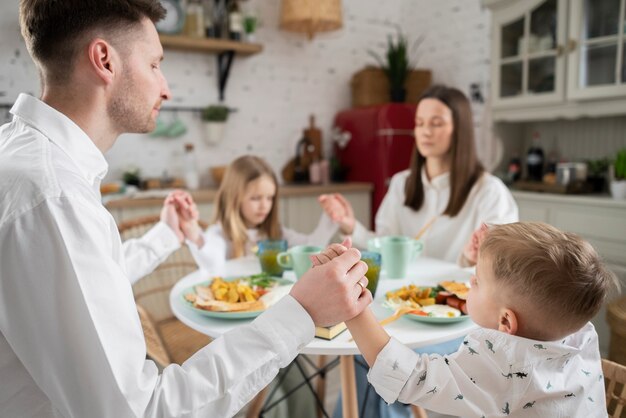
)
(397, 251)
(298, 258)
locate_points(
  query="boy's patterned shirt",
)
(494, 374)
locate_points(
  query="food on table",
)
(447, 300)
(240, 295)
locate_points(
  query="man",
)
(71, 343)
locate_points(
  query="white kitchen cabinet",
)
(597, 34)
(557, 59)
(601, 221)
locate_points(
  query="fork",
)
(403, 310)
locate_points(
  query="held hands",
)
(334, 290)
(339, 210)
(472, 248)
(181, 214)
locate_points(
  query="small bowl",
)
(217, 172)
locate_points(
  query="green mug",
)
(297, 258)
(397, 251)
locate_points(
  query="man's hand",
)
(471, 251)
(339, 210)
(335, 291)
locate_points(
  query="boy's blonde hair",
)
(227, 211)
(555, 280)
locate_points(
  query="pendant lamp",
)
(310, 16)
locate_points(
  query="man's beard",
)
(127, 113)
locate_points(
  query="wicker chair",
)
(615, 380)
(167, 339)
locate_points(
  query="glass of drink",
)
(373, 261)
(268, 250)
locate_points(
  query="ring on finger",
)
(361, 284)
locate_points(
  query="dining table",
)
(408, 330)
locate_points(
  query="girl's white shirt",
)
(218, 248)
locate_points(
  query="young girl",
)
(246, 211)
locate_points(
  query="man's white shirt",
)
(71, 343)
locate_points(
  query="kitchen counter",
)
(603, 200)
(155, 197)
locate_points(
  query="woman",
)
(445, 186)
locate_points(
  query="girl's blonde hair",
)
(239, 174)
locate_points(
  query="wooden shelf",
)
(209, 45)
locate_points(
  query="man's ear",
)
(101, 58)
(507, 322)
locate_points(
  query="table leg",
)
(350, 406)
(321, 384)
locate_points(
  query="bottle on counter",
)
(235, 21)
(209, 27)
(194, 19)
(535, 159)
(192, 179)
(514, 170)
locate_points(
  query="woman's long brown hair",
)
(227, 212)
(465, 169)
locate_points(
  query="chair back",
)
(615, 381)
(152, 297)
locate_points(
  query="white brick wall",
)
(276, 90)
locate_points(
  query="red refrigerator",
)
(380, 144)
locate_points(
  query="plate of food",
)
(441, 304)
(235, 297)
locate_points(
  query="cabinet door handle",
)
(571, 45)
(559, 50)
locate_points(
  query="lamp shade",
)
(311, 16)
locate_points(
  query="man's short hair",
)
(556, 274)
(53, 30)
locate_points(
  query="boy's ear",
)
(507, 321)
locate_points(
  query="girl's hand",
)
(339, 210)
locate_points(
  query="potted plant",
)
(214, 118)
(618, 175)
(596, 174)
(397, 65)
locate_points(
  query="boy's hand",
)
(335, 291)
(339, 210)
(472, 248)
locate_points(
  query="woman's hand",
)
(339, 210)
(472, 248)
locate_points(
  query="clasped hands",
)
(181, 214)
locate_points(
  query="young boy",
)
(535, 355)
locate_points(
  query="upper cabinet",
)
(598, 38)
(557, 58)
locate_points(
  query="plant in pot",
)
(214, 118)
(397, 65)
(618, 176)
(596, 174)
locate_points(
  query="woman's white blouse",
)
(489, 201)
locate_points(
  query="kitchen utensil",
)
(425, 228)
(403, 310)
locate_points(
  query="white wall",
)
(276, 90)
